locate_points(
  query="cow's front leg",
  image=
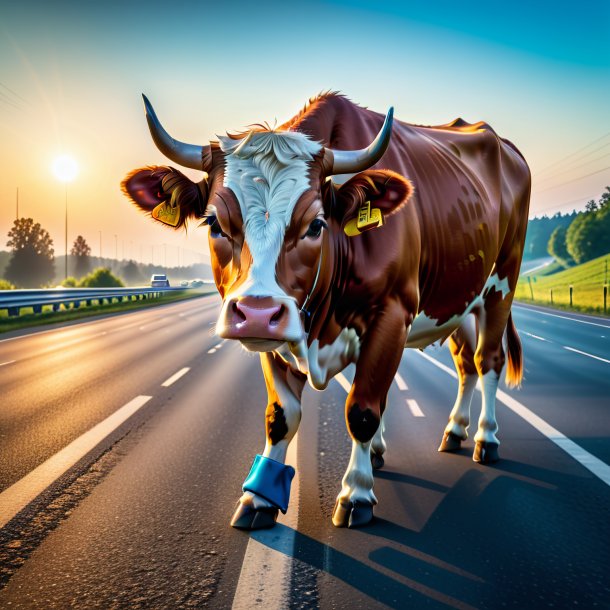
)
(382, 348)
(267, 486)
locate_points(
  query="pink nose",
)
(255, 318)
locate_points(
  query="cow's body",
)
(314, 299)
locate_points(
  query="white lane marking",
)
(554, 315)
(400, 382)
(20, 494)
(214, 349)
(534, 336)
(7, 362)
(264, 580)
(572, 349)
(343, 382)
(175, 377)
(594, 465)
(414, 407)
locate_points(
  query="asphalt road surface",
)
(125, 440)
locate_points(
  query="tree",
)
(32, 261)
(131, 273)
(82, 253)
(101, 277)
(557, 247)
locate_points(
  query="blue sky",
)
(71, 75)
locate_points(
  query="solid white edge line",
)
(264, 579)
(175, 377)
(414, 408)
(554, 315)
(20, 494)
(593, 464)
(572, 349)
(400, 382)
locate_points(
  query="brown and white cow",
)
(443, 263)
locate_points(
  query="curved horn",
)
(353, 161)
(187, 155)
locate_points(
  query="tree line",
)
(572, 238)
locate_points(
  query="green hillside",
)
(587, 281)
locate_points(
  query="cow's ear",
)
(167, 194)
(386, 190)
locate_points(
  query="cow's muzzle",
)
(260, 323)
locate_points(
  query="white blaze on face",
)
(267, 172)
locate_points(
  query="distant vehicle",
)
(159, 280)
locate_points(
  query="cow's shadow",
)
(487, 544)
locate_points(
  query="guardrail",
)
(15, 300)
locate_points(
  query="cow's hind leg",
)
(267, 487)
(378, 444)
(462, 345)
(489, 359)
(378, 361)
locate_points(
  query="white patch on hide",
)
(357, 483)
(425, 331)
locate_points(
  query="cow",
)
(343, 236)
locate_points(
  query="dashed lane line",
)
(555, 315)
(214, 349)
(535, 336)
(414, 408)
(343, 382)
(20, 494)
(593, 464)
(400, 382)
(175, 377)
(572, 349)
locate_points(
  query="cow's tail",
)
(514, 368)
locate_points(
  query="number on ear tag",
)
(167, 214)
(366, 220)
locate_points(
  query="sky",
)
(72, 74)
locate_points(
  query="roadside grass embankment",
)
(28, 318)
(553, 289)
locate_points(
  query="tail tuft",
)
(514, 368)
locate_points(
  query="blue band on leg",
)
(270, 480)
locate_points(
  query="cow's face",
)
(271, 217)
(266, 233)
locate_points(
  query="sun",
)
(65, 168)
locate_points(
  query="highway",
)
(125, 441)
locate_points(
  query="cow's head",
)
(272, 215)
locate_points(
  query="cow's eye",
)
(315, 228)
(212, 222)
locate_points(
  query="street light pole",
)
(66, 268)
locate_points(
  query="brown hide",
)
(468, 211)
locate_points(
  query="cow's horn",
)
(352, 161)
(187, 155)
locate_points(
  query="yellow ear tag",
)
(167, 214)
(366, 220)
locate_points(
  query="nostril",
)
(275, 318)
(238, 312)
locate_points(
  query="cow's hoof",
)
(450, 442)
(485, 453)
(247, 518)
(351, 514)
(377, 460)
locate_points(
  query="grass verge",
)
(48, 316)
(587, 281)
